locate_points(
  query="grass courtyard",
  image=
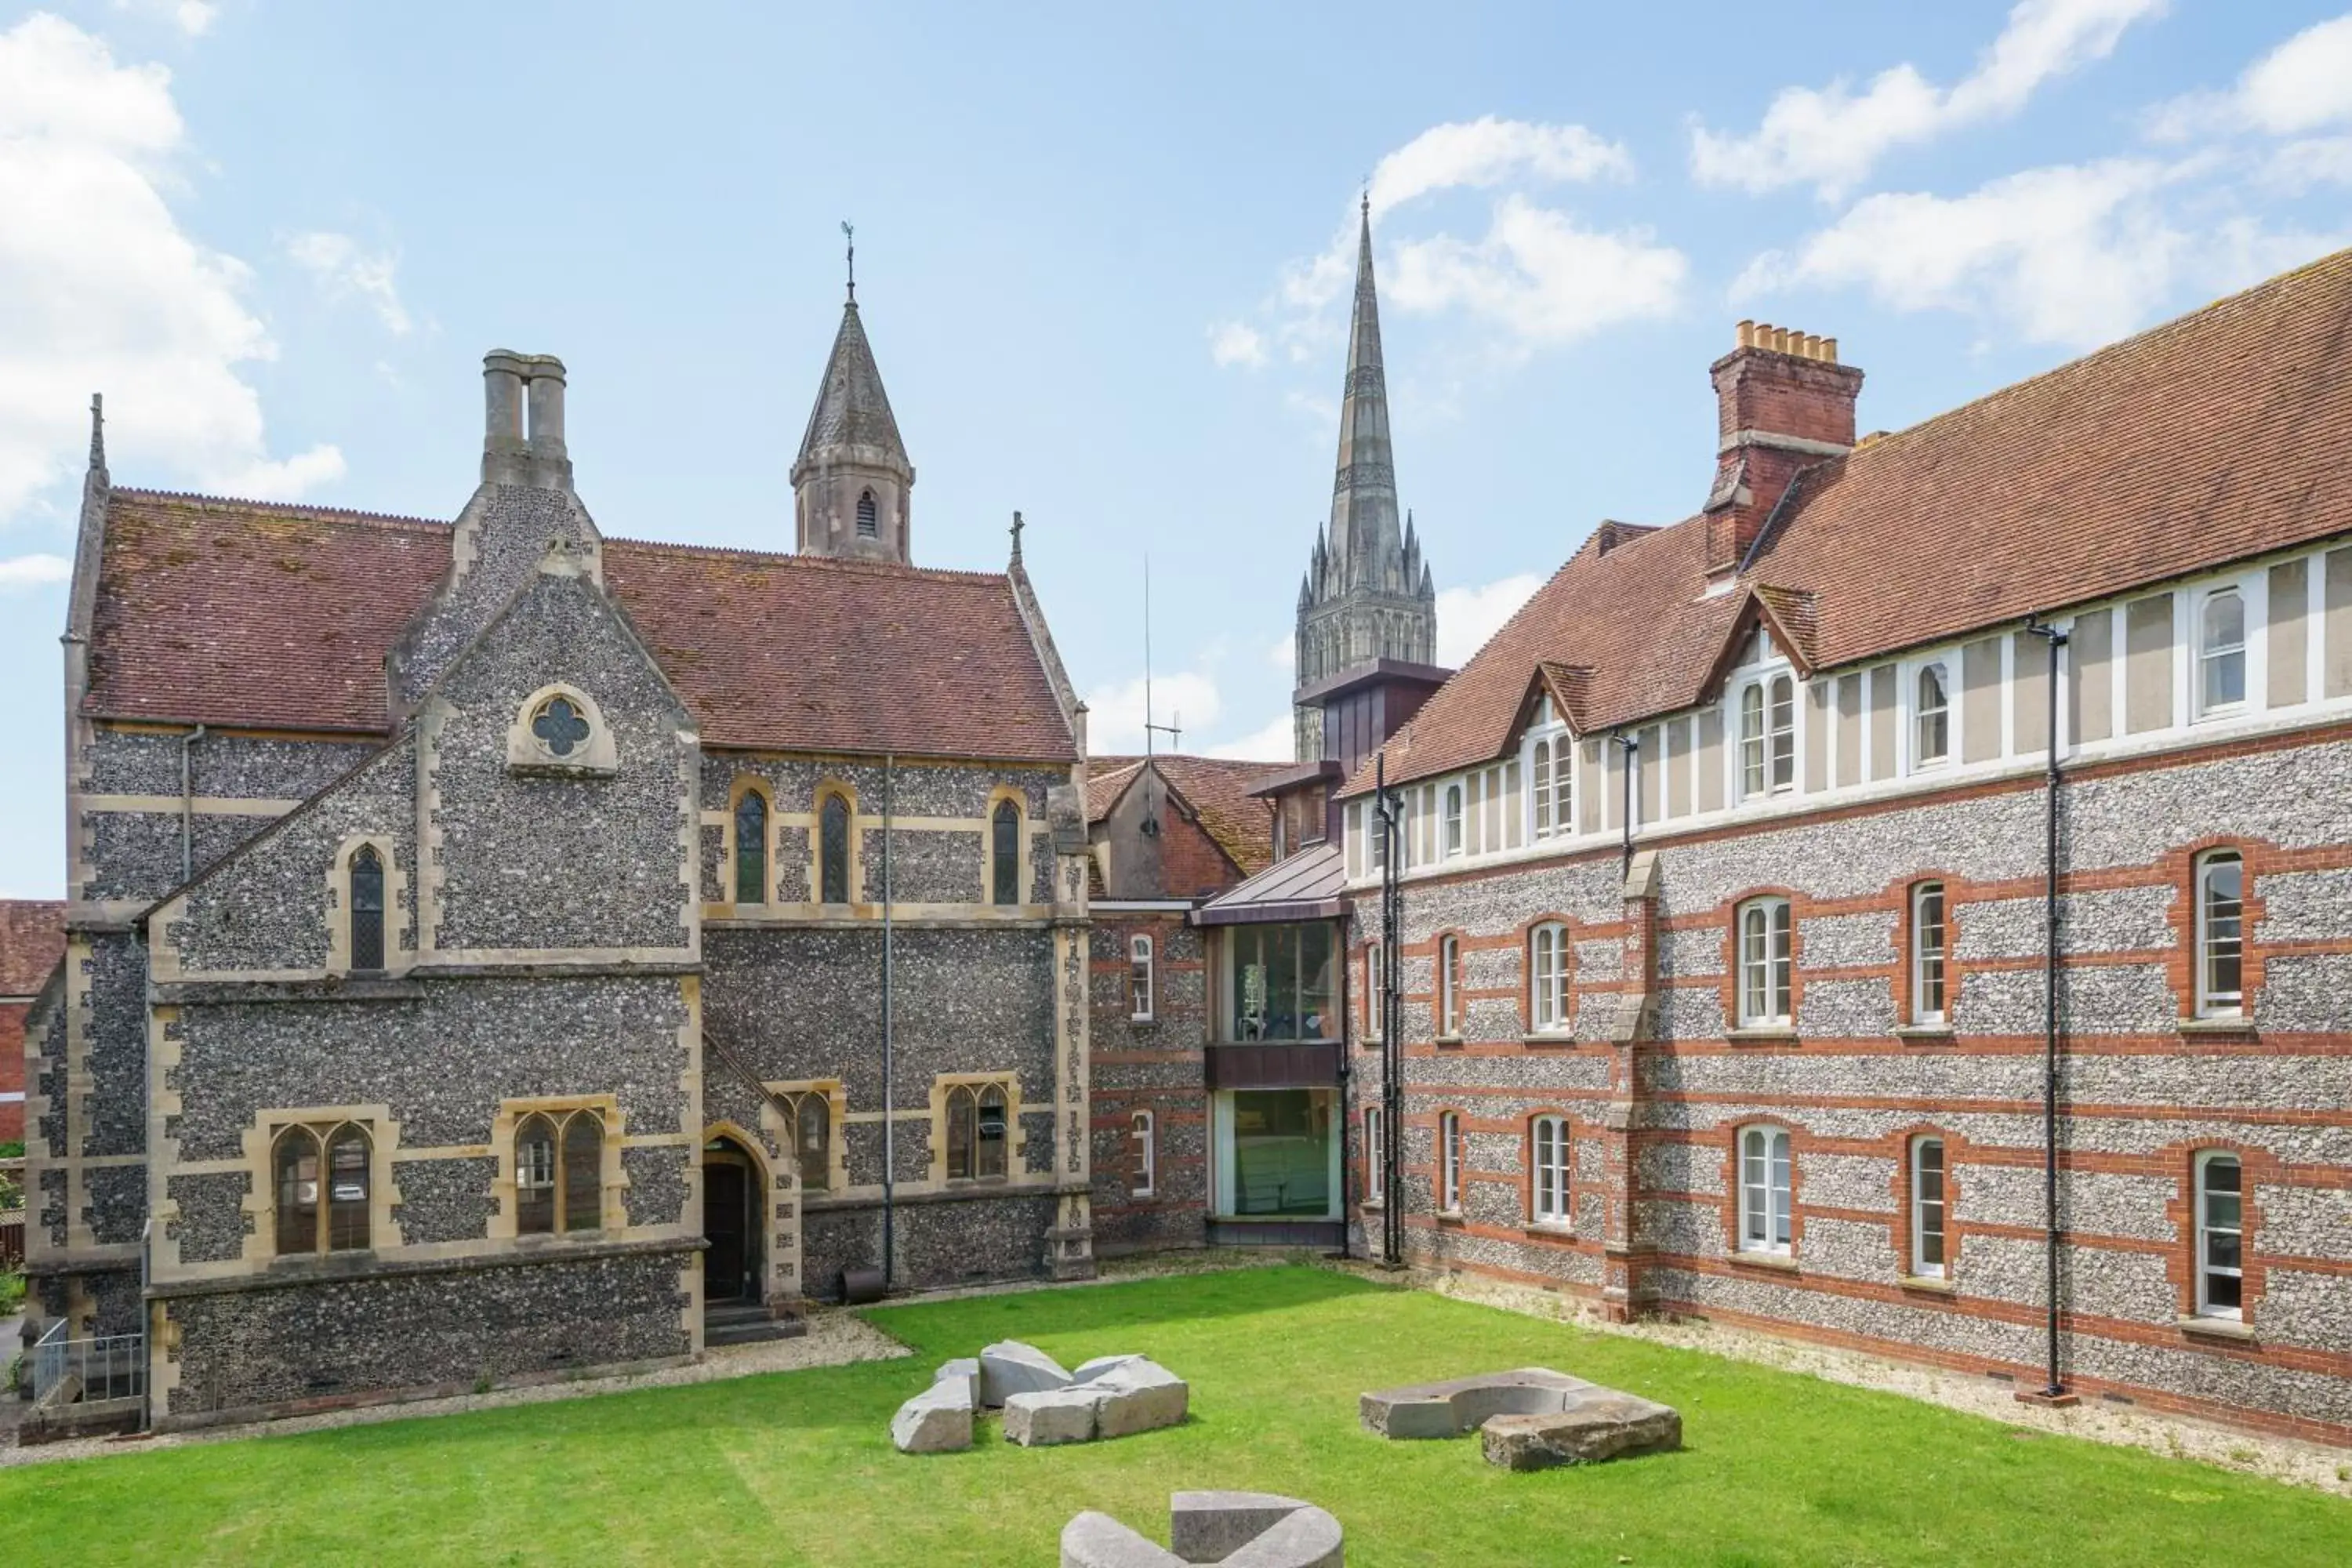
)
(797, 1467)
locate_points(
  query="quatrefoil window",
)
(560, 727)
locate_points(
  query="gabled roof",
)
(2213, 439)
(32, 939)
(242, 613)
(1215, 790)
(852, 409)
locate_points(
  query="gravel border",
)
(2284, 1459)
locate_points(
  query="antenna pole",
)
(1175, 732)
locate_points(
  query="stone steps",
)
(747, 1324)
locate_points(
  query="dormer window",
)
(1767, 737)
(868, 523)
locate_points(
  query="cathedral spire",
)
(1368, 596)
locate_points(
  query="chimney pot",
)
(1829, 350)
(502, 378)
(544, 378)
(1745, 337)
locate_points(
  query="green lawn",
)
(797, 1468)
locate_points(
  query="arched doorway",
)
(733, 1265)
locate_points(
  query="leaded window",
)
(559, 1173)
(751, 848)
(560, 727)
(367, 907)
(321, 1168)
(1004, 853)
(833, 851)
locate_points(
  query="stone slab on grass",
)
(1051, 1415)
(936, 1421)
(1209, 1526)
(1602, 1425)
(1461, 1405)
(1098, 1541)
(1087, 1371)
(1237, 1530)
(1137, 1396)
(964, 1371)
(1009, 1367)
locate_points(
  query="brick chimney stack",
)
(1782, 404)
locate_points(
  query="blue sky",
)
(1102, 258)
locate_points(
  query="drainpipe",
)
(188, 806)
(1346, 1069)
(889, 1038)
(2055, 1386)
(1392, 1031)
(1632, 760)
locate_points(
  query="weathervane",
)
(849, 237)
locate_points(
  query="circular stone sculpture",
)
(1237, 1530)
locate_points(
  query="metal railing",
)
(69, 1371)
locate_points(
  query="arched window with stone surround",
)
(833, 851)
(316, 1169)
(1004, 854)
(868, 523)
(813, 1140)
(559, 1173)
(367, 907)
(751, 848)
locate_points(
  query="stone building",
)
(1367, 596)
(1750, 911)
(494, 949)
(1167, 833)
(32, 937)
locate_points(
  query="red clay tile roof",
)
(228, 612)
(32, 939)
(1216, 790)
(2210, 439)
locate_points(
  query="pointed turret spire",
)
(852, 478)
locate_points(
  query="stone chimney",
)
(1782, 404)
(512, 385)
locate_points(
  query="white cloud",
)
(344, 269)
(2303, 85)
(1466, 618)
(1282, 653)
(23, 572)
(1236, 342)
(1488, 151)
(1830, 138)
(1540, 277)
(193, 17)
(1275, 740)
(1533, 264)
(1115, 712)
(107, 292)
(2073, 254)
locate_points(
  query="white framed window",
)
(1376, 840)
(2220, 935)
(1764, 1190)
(1927, 1205)
(1928, 945)
(1764, 968)
(1141, 1132)
(1375, 1158)
(1548, 1154)
(2221, 1235)
(1931, 717)
(1138, 979)
(1564, 787)
(1767, 737)
(1372, 978)
(1547, 977)
(2222, 651)
(1449, 987)
(1539, 787)
(1453, 821)
(1449, 1163)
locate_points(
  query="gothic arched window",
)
(751, 848)
(813, 1142)
(559, 1173)
(306, 1160)
(367, 907)
(868, 524)
(833, 851)
(1004, 854)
